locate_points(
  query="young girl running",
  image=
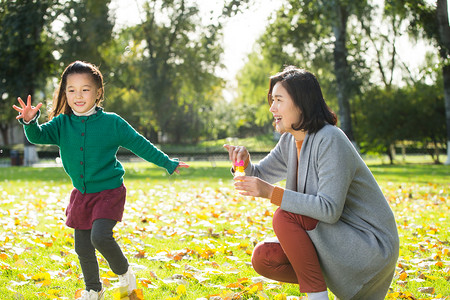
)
(88, 139)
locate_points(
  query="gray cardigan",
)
(356, 237)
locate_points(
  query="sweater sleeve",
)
(47, 133)
(273, 167)
(277, 196)
(143, 148)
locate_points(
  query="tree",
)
(87, 29)
(390, 115)
(444, 44)
(179, 59)
(253, 82)
(26, 57)
(432, 21)
(316, 32)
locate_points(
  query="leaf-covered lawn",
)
(191, 236)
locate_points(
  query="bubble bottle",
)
(239, 168)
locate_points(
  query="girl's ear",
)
(99, 94)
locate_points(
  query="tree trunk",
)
(341, 70)
(390, 154)
(444, 36)
(153, 136)
(436, 152)
(4, 131)
(446, 75)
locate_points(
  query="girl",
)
(334, 227)
(88, 139)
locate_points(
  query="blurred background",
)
(192, 75)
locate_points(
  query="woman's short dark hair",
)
(305, 91)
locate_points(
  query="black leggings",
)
(100, 237)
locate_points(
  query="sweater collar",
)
(98, 112)
(90, 112)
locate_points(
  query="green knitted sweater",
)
(88, 147)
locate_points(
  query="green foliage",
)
(253, 82)
(414, 113)
(159, 75)
(25, 52)
(87, 30)
(123, 81)
(302, 33)
(176, 61)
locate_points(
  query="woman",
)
(334, 226)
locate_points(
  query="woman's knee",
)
(266, 257)
(259, 259)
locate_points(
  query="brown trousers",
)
(294, 259)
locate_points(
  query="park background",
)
(383, 67)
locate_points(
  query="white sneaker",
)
(91, 295)
(128, 281)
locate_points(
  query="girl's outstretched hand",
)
(181, 165)
(27, 112)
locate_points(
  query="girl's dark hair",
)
(306, 93)
(60, 105)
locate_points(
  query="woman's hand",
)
(181, 165)
(237, 153)
(253, 186)
(27, 112)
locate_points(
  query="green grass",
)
(193, 231)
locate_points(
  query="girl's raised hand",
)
(27, 112)
(181, 165)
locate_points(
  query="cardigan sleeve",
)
(143, 148)
(273, 167)
(47, 133)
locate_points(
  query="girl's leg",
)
(103, 240)
(88, 260)
(291, 229)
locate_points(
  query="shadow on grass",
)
(418, 173)
(198, 171)
(56, 174)
(214, 171)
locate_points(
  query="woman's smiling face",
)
(81, 92)
(284, 111)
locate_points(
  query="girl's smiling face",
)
(81, 92)
(284, 111)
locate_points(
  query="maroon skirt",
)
(84, 209)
